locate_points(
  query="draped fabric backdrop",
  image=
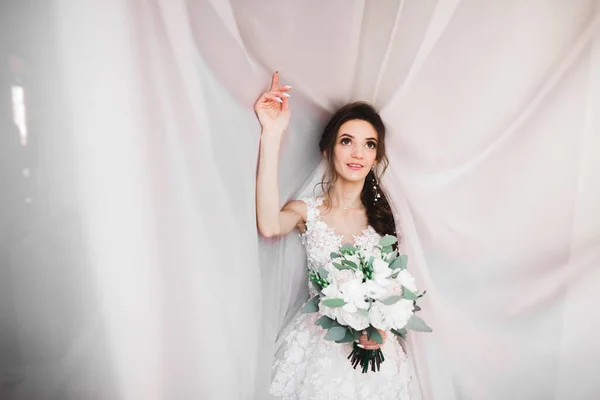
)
(155, 283)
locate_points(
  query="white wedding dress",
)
(308, 367)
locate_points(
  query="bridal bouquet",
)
(361, 292)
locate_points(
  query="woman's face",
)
(355, 150)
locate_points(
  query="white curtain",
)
(492, 109)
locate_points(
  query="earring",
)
(376, 194)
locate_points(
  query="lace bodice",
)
(320, 240)
(306, 365)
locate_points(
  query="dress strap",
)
(312, 207)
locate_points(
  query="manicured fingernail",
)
(287, 87)
(279, 99)
(361, 346)
(286, 95)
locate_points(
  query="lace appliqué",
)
(320, 240)
(308, 367)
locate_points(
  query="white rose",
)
(374, 290)
(407, 280)
(355, 320)
(344, 276)
(332, 291)
(337, 276)
(350, 307)
(399, 313)
(354, 293)
(359, 274)
(327, 311)
(378, 263)
(378, 316)
(375, 253)
(331, 272)
(381, 272)
(394, 288)
(339, 317)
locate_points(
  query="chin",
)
(353, 177)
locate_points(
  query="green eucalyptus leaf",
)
(341, 266)
(334, 255)
(408, 295)
(400, 262)
(338, 266)
(391, 300)
(370, 262)
(404, 259)
(349, 249)
(317, 287)
(349, 337)
(387, 240)
(324, 322)
(350, 264)
(400, 332)
(417, 324)
(335, 333)
(311, 306)
(323, 273)
(333, 302)
(374, 334)
(387, 249)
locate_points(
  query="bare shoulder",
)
(297, 206)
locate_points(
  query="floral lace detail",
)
(308, 367)
(320, 240)
(368, 240)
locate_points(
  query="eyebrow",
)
(352, 137)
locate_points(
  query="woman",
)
(352, 209)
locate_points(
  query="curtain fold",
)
(493, 136)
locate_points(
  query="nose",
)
(357, 152)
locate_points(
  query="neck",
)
(344, 194)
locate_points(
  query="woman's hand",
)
(371, 344)
(272, 107)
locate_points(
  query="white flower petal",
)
(407, 280)
(378, 316)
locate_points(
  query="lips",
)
(354, 166)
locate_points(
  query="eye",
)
(345, 141)
(371, 145)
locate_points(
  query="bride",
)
(353, 209)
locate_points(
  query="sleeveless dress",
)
(308, 367)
